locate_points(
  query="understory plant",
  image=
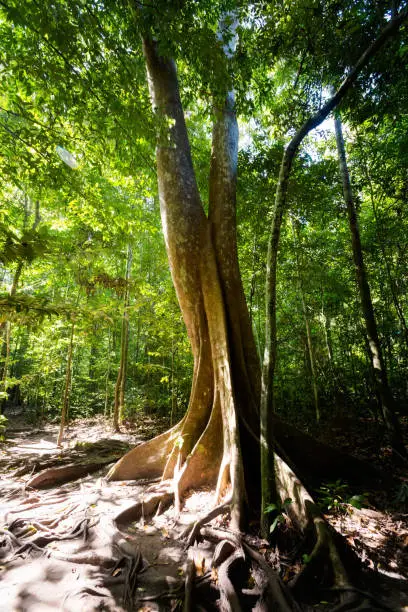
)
(3, 426)
(279, 511)
(335, 497)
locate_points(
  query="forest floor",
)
(67, 547)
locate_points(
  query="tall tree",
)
(202, 256)
(220, 439)
(204, 266)
(374, 345)
(311, 352)
(280, 206)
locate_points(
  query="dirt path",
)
(79, 573)
(64, 548)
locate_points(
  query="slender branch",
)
(390, 29)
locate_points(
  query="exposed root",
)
(147, 460)
(60, 475)
(50, 502)
(133, 567)
(331, 559)
(39, 542)
(330, 562)
(156, 495)
(188, 584)
(275, 595)
(83, 591)
(86, 558)
(324, 551)
(22, 526)
(244, 578)
(271, 593)
(194, 532)
(100, 453)
(9, 535)
(225, 555)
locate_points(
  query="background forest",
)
(85, 285)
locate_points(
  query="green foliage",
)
(335, 497)
(3, 426)
(279, 511)
(401, 496)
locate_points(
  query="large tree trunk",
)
(374, 345)
(204, 448)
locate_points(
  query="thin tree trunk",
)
(391, 281)
(125, 332)
(5, 346)
(310, 349)
(6, 356)
(92, 384)
(67, 388)
(105, 411)
(121, 379)
(327, 334)
(376, 353)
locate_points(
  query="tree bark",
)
(376, 353)
(107, 374)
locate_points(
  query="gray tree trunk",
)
(376, 353)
